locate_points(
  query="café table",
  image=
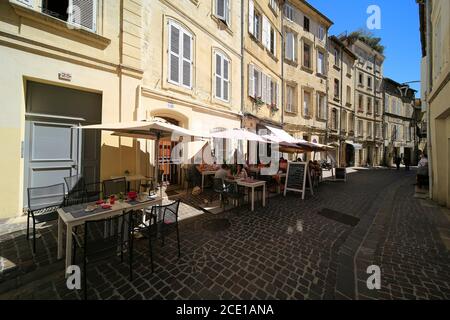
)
(207, 173)
(252, 184)
(72, 216)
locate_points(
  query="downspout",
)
(242, 64)
(282, 65)
(342, 106)
(429, 86)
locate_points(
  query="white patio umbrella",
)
(238, 134)
(153, 129)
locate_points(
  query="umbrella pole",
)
(156, 176)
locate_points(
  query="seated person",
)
(194, 175)
(223, 172)
(241, 172)
(283, 165)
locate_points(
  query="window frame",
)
(182, 31)
(223, 58)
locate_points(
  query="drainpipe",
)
(282, 64)
(429, 86)
(242, 64)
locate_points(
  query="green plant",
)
(258, 101)
(368, 38)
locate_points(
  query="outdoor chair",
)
(144, 221)
(97, 245)
(147, 185)
(114, 187)
(166, 216)
(43, 203)
(233, 192)
(78, 191)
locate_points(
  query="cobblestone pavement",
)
(283, 251)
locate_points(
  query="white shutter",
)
(251, 16)
(174, 53)
(274, 42)
(227, 12)
(289, 45)
(266, 32)
(226, 79)
(263, 87)
(187, 60)
(251, 80)
(220, 9)
(84, 13)
(320, 62)
(269, 90)
(218, 76)
(277, 88)
(29, 3)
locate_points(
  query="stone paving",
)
(283, 251)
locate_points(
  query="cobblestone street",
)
(286, 250)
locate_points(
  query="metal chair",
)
(96, 244)
(220, 188)
(114, 186)
(78, 191)
(43, 203)
(232, 191)
(165, 216)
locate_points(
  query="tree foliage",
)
(368, 38)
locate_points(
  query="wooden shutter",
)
(266, 32)
(187, 60)
(174, 53)
(251, 80)
(84, 13)
(251, 16)
(226, 79)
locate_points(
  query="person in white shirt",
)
(223, 172)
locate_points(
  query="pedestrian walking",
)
(398, 160)
(407, 162)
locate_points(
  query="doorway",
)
(169, 171)
(53, 149)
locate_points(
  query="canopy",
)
(288, 142)
(357, 146)
(148, 129)
(237, 134)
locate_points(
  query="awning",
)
(357, 146)
(237, 134)
(285, 139)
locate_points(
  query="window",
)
(274, 93)
(254, 82)
(405, 133)
(290, 99)
(361, 79)
(336, 89)
(349, 95)
(180, 56)
(223, 11)
(306, 55)
(273, 41)
(369, 82)
(369, 129)
(351, 124)
(254, 21)
(337, 59)
(289, 12)
(377, 107)
(290, 47)
(306, 23)
(274, 5)
(369, 105)
(258, 22)
(321, 33)
(334, 119)
(360, 103)
(222, 77)
(84, 16)
(344, 121)
(377, 130)
(385, 130)
(320, 63)
(321, 106)
(360, 128)
(306, 103)
(386, 103)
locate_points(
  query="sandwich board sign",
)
(296, 175)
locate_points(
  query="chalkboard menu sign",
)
(296, 176)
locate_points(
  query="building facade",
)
(305, 71)
(368, 102)
(61, 70)
(399, 122)
(262, 64)
(341, 92)
(435, 37)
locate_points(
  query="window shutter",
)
(226, 79)
(275, 100)
(220, 9)
(218, 76)
(274, 44)
(263, 87)
(187, 60)
(227, 12)
(174, 53)
(251, 80)
(289, 45)
(84, 13)
(266, 32)
(251, 16)
(320, 63)
(29, 3)
(269, 90)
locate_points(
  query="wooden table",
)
(65, 218)
(207, 173)
(252, 185)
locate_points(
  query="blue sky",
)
(399, 31)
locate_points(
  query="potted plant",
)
(258, 101)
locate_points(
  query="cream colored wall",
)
(255, 53)
(295, 73)
(209, 36)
